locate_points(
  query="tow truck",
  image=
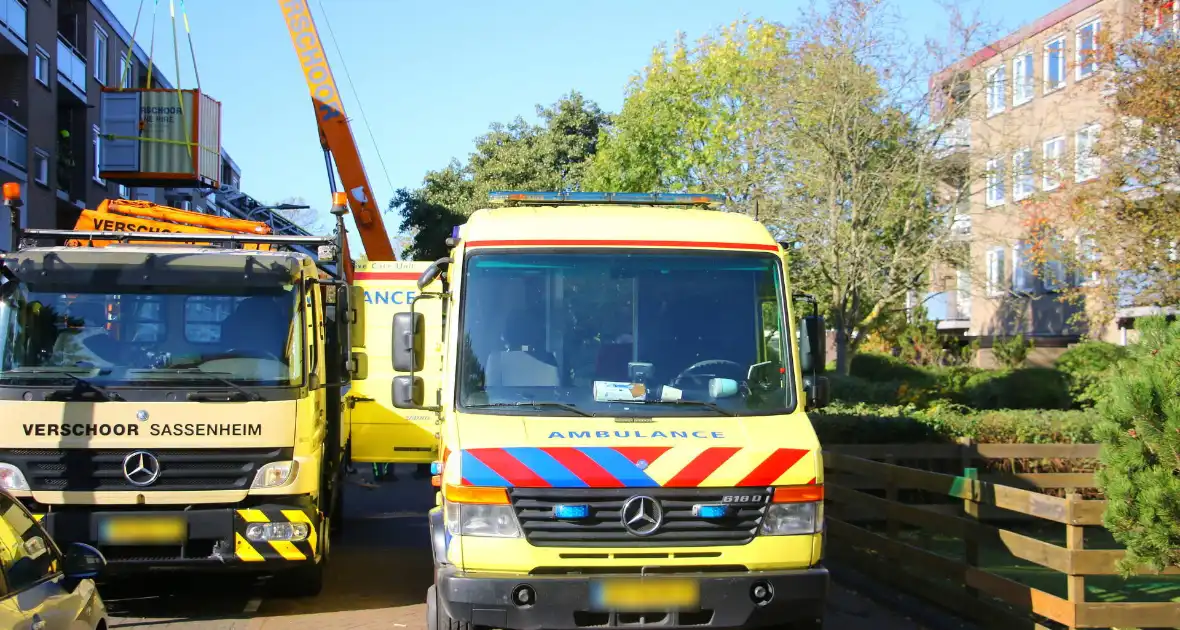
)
(177, 398)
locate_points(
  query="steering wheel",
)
(702, 379)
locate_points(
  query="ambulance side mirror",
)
(356, 316)
(409, 341)
(812, 345)
(408, 392)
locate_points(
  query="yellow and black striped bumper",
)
(214, 538)
(280, 551)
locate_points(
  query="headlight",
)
(11, 478)
(497, 521)
(275, 474)
(793, 519)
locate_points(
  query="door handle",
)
(38, 622)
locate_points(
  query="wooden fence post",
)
(971, 510)
(892, 526)
(1075, 541)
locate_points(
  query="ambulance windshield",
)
(624, 333)
(129, 338)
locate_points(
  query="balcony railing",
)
(14, 16)
(954, 137)
(14, 142)
(71, 65)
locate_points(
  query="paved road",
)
(377, 579)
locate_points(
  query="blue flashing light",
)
(710, 511)
(435, 468)
(455, 232)
(563, 511)
(625, 198)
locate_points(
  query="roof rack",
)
(519, 197)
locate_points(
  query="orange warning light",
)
(339, 199)
(11, 191)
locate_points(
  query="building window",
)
(995, 182)
(1022, 276)
(1087, 48)
(963, 294)
(40, 170)
(1022, 79)
(41, 66)
(1022, 175)
(123, 192)
(1086, 161)
(1053, 149)
(995, 271)
(127, 76)
(100, 55)
(96, 144)
(1159, 14)
(1054, 64)
(1088, 257)
(996, 85)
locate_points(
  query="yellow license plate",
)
(648, 595)
(143, 530)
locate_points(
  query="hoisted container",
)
(157, 137)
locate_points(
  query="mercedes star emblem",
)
(141, 415)
(141, 468)
(642, 515)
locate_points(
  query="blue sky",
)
(431, 76)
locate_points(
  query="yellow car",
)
(43, 588)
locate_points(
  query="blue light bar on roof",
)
(623, 198)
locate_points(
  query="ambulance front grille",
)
(180, 469)
(604, 526)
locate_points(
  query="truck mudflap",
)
(258, 537)
(726, 600)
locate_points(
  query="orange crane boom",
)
(335, 133)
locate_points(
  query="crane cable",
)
(356, 95)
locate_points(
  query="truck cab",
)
(179, 407)
(623, 435)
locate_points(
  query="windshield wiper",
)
(536, 403)
(77, 379)
(698, 403)
(212, 376)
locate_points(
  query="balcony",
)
(14, 21)
(955, 137)
(71, 68)
(961, 226)
(14, 144)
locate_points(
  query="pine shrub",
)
(1139, 431)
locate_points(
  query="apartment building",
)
(1028, 111)
(55, 56)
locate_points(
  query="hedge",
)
(864, 424)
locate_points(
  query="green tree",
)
(862, 193)
(519, 155)
(699, 118)
(1140, 436)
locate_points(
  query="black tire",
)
(306, 581)
(436, 617)
(337, 513)
(808, 624)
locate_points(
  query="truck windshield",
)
(634, 333)
(130, 338)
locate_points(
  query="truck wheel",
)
(337, 514)
(436, 617)
(306, 581)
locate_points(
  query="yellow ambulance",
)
(621, 403)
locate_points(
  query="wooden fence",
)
(854, 483)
